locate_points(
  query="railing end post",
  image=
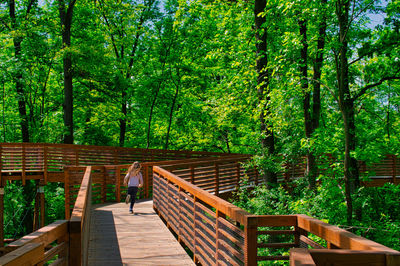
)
(250, 249)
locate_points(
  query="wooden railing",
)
(218, 232)
(107, 181)
(215, 175)
(29, 159)
(49, 243)
(185, 194)
(385, 171)
(64, 242)
(79, 223)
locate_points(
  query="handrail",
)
(35, 247)
(79, 223)
(219, 232)
(235, 213)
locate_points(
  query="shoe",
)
(130, 211)
(128, 199)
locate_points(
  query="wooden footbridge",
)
(181, 220)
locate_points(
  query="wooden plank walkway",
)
(120, 238)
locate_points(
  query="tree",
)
(347, 98)
(263, 82)
(66, 10)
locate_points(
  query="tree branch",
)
(364, 90)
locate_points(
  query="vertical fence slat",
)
(146, 181)
(394, 169)
(45, 151)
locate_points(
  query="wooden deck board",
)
(120, 238)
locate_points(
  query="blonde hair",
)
(134, 169)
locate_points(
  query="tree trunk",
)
(346, 104)
(319, 58)
(267, 142)
(19, 86)
(66, 23)
(308, 125)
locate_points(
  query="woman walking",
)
(133, 180)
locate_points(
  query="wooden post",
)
(146, 181)
(36, 209)
(115, 156)
(394, 169)
(75, 242)
(192, 174)
(250, 241)
(216, 179)
(237, 174)
(76, 156)
(104, 186)
(42, 204)
(23, 166)
(118, 184)
(66, 192)
(45, 148)
(1, 215)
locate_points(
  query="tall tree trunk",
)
(308, 125)
(66, 23)
(19, 85)
(346, 104)
(267, 142)
(124, 110)
(319, 58)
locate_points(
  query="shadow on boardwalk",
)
(120, 238)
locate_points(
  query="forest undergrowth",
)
(380, 217)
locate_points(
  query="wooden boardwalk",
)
(120, 238)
